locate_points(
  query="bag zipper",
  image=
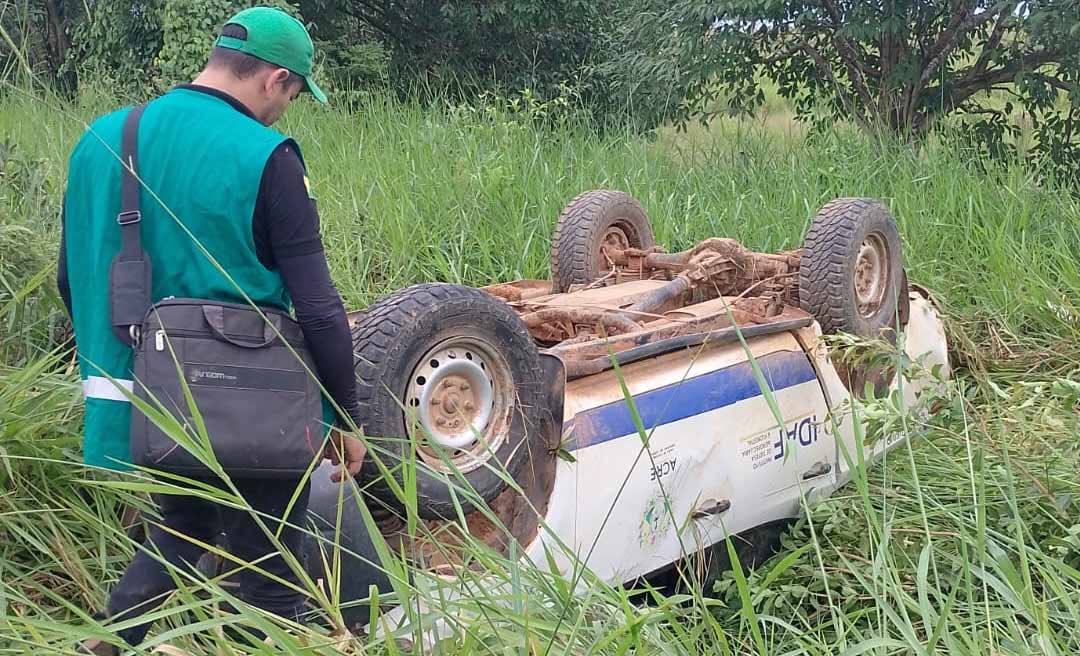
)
(160, 334)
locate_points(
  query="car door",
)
(783, 448)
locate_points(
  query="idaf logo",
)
(803, 432)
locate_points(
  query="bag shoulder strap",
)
(130, 276)
(130, 216)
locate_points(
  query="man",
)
(206, 152)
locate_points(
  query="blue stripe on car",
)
(693, 396)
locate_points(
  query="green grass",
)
(966, 543)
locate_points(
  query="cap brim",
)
(315, 90)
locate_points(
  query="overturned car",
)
(637, 394)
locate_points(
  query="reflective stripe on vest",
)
(98, 387)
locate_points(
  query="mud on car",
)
(638, 406)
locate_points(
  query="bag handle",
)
(215, 318)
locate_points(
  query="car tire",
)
(585, 225)
(455, 355)
(851, 272)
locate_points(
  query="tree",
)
(502, 43)
(897, 65)
(453, 47)
(116, 43)
(57, 39)
(188, 30)
(38, 34)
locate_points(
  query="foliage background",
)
(1006, 71)
(966, 541)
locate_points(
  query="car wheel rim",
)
(459, 396)
(615, 238)
(871, 276)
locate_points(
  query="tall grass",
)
(967, 541)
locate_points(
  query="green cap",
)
(278, 38)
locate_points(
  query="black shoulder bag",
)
(260, 406)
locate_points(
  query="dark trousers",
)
(146, 583)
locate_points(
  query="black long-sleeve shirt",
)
(285, 228)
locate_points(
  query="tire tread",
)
(576, 230)
(377, 338)
(823, 282)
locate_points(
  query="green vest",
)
(201, 162)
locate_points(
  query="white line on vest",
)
(99, 387)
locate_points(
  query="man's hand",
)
(345, 450)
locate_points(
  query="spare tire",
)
(851, 271)
(590, 222)
(454, 372)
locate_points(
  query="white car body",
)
(716, 463)
(712, 437)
